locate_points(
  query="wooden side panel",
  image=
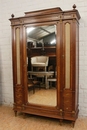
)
(77, 65)
(17, 67)
(70, 88)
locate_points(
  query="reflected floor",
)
(43, 96)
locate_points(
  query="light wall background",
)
(18, 7)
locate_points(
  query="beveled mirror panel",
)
(41, 65)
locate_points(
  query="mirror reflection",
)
(41, 65)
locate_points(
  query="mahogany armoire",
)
(64, 53)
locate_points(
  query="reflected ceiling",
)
(38, 32)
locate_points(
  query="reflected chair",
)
(36, 82)
(33, 83)
(39, 61)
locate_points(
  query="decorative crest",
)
(12, 15)
(74, 6)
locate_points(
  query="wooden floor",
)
(43, 96)
(9, 122)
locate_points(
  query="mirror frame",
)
(39, 106)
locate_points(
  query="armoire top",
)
(44, 12)
(52, 14)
